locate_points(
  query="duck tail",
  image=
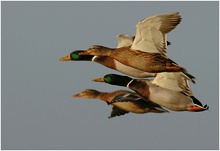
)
(198, 107)
(185, 72)
(191, 78)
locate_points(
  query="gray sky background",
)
(37, 109)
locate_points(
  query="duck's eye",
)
(75, 56)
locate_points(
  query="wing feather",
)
(176, 81)
(124, 40)
(117, 112)
(151, 32)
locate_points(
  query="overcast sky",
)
(37, 109)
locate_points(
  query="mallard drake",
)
(174, 97)
(148, 50)
(107, 62)
(123, 101)
(123, 40)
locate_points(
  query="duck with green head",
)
(123, 102)
(148, 51)
(123, 41)
(75, 56)
(172, 99)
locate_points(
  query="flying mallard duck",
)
(123, 41)
(123, 101)
(149, 48)
(173, 93)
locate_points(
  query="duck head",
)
(87, 93)
(114, 79)
(75, 56)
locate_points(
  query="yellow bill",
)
(66, 58)
(99, 79)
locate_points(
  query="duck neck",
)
(106, 51)
(104, 96)
(122, 81)
(85, 58)
(105, 60)
(140, 86)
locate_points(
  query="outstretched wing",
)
(151, 32)
(117, 112)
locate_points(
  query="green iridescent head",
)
(74, 56)
(114, 79)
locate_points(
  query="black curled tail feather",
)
(197, 102)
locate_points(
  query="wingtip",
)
(168, 43)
